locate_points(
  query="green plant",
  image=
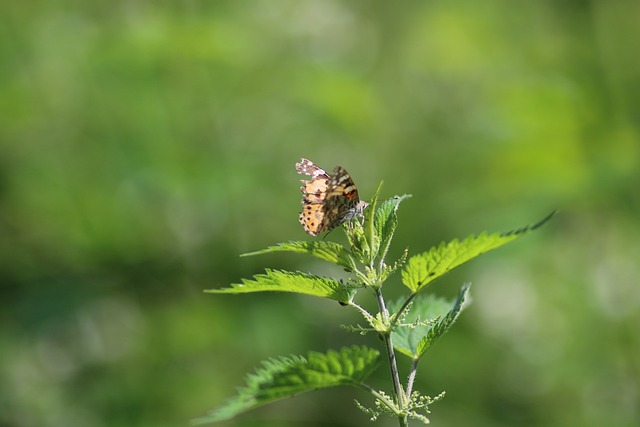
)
(408, 326)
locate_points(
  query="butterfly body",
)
(328, 200)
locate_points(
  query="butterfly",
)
(328, 200)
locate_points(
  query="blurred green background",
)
(145, 145)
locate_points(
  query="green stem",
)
(363, 278)
(368, 317)
(372, 253)
(402, 418)
(412, 378)
(391, 355)
(389, 404)
(403, 309)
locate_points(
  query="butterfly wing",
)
(327, 200)
(314, 193)
(341, 198)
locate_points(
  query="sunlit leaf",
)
(288, 281)
(286, 376)
(386, 221)
(423, 268)
(328, 251)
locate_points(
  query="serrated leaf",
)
(364, 242)
(288, 281)
(287, 376)
(355, 233)
(358, 234)
(415, 341)
(369, 214)
(386, 221)
(424, 268)
(328, 251)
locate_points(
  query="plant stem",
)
(389, 404)
(412, 378)
(393, 365)
(403, 308)
(362, 311)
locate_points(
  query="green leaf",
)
(328, 251)
(356, 236)
(386, 221)
(287, 376)
(369, 221)
(359, 235)
(370, 213)
(424, 268)
(415, 341)
(288, 281)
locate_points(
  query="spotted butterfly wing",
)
(327, 199)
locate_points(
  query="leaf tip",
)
(544, 220)
(531, 227)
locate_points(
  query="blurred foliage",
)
(146, 144)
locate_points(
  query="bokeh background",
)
(146, 144)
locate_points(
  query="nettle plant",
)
(407, 327)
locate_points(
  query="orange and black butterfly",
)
(328, 200)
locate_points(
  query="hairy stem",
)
(362, 311)
(412, 378)
(391, 355)
(389, 404)
(403, 309)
